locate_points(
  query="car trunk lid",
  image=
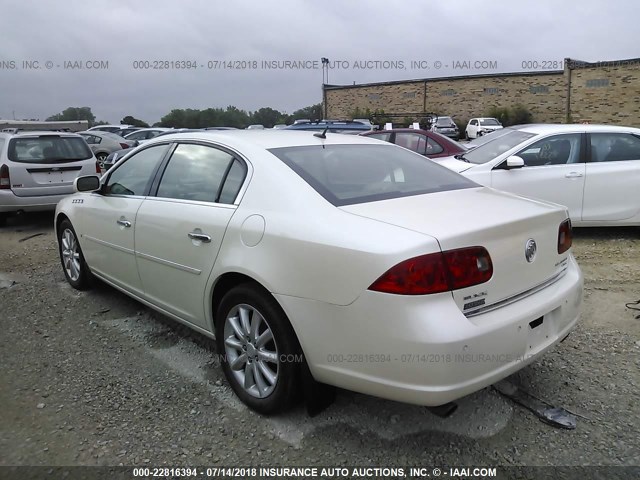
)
(502, 223)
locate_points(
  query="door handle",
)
(573, 175)
(124, 223)
(203, 237)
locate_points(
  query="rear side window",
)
(614, 147)
(48, 149)
(201, 173)
(349, 174)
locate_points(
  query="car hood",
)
(454, 164)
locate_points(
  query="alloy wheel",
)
(251, 350)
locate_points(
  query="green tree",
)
(74, 113)
(129, 120)
(312, 112)
(266, 116)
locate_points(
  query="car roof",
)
(39, 133)
(267, 139)
(546, 128)
(390, 130)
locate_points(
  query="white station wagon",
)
(381, 272)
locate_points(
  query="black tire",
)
(101, 157)
(285, 390)
(3, 219)
(83, 280)
(466, 135)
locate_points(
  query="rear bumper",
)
(9, 202)
(423, 350)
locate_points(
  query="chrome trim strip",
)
(515, 298)
(107, 244)
(168, 263)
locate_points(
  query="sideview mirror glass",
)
(88, 183)
(515, 162)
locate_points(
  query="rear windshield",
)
(48, 149)
(349, 174)
(444, 121)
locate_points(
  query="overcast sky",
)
(507, 32)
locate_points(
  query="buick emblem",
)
(530, 250)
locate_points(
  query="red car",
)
(430, 144)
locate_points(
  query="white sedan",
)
(381, 272)
(594, 170)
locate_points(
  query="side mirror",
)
(88, 183)
(514, 162)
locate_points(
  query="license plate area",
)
(541, 331)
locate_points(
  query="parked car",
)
(123, 132)
(478, 127)
(104, 143)
(349, 127)
(113, 157)
(279, 126)
(255, 127)
(297, 252)
(108, 128)
(430, 144)
(445, 126)
(594, 170)
(37, 169)
(143, 134)
(365, 121)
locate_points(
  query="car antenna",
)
(323, 134)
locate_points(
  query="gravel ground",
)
(97, 379)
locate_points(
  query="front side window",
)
(134, 176)
(554, 150)
(198, 172)
(500, 144)
(614, 147)
(350, 174)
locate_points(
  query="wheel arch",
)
(61, 217)
(230, 280)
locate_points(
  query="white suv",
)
(37, 169)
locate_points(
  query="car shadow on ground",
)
(26, 222)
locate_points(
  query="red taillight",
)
(98, 169)
(437, 272)
(5, 181)
(565, 236)
(124, 145)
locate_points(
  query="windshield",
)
(348, 174)
(48, 149)
(489, 122)
(497, 146)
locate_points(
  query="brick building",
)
(600, 92)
